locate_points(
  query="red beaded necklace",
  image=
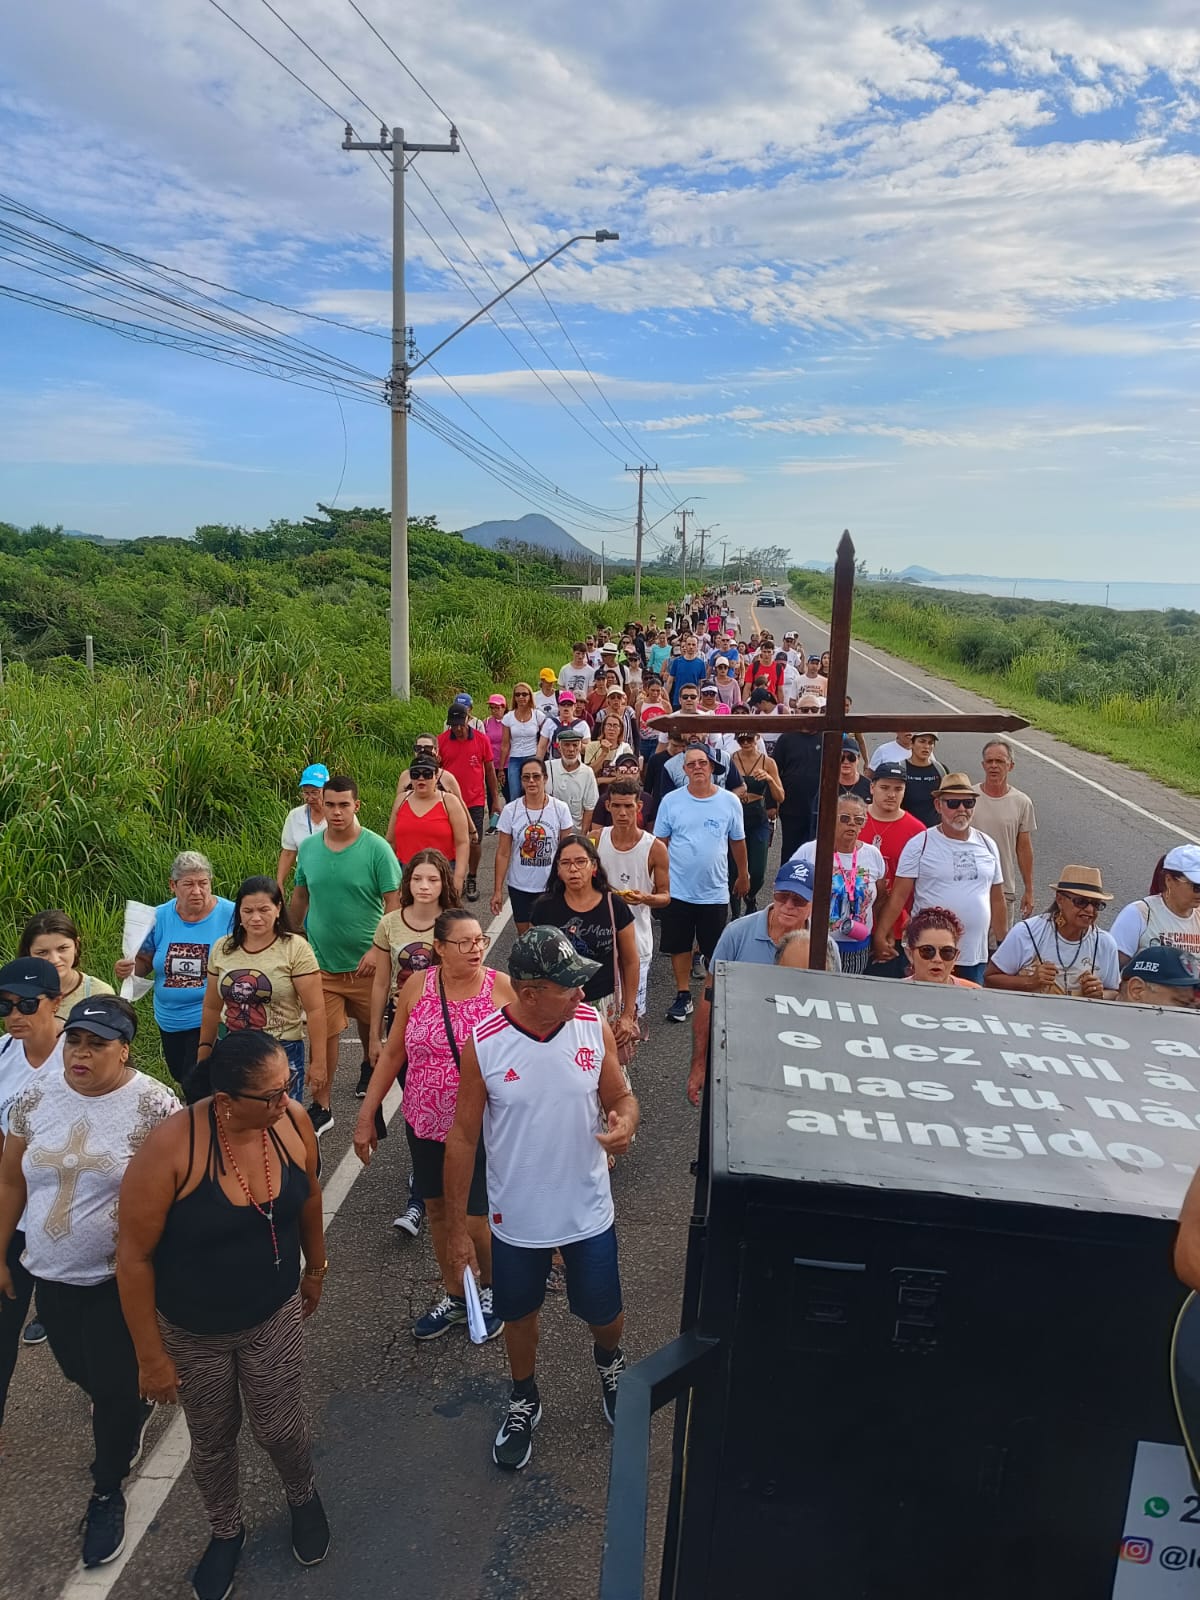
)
(269, 1210)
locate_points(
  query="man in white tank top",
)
(541, 1080)
(636, 865)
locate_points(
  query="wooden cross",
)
(833, 723)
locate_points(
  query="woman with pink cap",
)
(494, 728)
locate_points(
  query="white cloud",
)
(82, 424)
(707, 475)
(523, 383)
(798, 468)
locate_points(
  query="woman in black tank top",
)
(215, 1211)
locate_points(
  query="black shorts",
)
(522, 902)
(685, 925)
(428, 1162)
(476, 814)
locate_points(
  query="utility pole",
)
(683, 516)
(724, 547)
(637, 557)
(602, 563)
(395, 145)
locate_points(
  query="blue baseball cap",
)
(463, 700)
(795, 877)
(1163, 963)
(314, 777)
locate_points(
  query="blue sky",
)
(928, 271)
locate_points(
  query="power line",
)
(213, 352)
(400, 62)
(87, 271)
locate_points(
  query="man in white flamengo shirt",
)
(542, 1080)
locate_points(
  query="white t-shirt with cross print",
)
(76, 1150)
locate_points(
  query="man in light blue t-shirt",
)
(703, 826)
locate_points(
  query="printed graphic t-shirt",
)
(258, 990)
(409, 949)
(180, 953)
(76, 1150)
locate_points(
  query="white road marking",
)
(168, 1460)
(1029, 749)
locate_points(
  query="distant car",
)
(770, 597)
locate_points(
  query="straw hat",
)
(955, 783)
(1083, 881)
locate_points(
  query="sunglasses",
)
(960, 802)
(929, 952)
(1081, 902)
(690, 698)
(26, 1007)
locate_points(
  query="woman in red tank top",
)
(430, 819)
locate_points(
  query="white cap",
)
(1184, 858)
(721, 661)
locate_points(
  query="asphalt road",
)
(404, 1431)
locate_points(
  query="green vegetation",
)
(1123, 683)
(223, 666)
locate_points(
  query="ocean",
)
(1119, 596)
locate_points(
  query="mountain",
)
(532, 530)
(914, 575)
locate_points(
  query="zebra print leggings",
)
(263, 1363)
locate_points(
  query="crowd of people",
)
(175, 1251)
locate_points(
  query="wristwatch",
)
(316, 1272)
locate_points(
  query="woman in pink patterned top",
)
(436, 1012)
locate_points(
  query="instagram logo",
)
(1137, 1550)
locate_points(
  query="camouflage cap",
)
(547, 954)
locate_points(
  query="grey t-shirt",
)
(1002, 820)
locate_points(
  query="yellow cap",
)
(547, 674)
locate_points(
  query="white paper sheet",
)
(475, 1324)
(139, 920)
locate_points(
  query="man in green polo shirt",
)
(346, 879)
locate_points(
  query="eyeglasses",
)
(275, 1098)
(849, 816)
(1080, 902)
(930, 952)
(479, 941)
(958, 802)
(26, 1007)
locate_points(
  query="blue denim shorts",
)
(593, 1280)
(293, 1049)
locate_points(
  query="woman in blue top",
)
(176, 951)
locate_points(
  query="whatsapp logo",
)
(1156, 1506)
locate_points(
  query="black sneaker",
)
(364, 1081)
(213, 1578)
(147, 1413)
(472, 888)
(310, 1532)
(514, 1443)
(681, 1008)
(410, 1219)
(609, 1377)
(34, 1333)
(321, 1118)
(103, 1529)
